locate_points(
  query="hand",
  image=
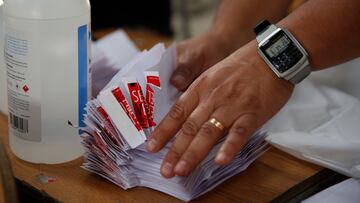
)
(241, 92)
(197, 55)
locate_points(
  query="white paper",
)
(110, 54)
(347, 191)
(139, 64)
(344, 77)
(166, 67)
(320, 125)
(120, 119)
(117, 47)
(129, 165)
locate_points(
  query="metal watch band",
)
(301, 74)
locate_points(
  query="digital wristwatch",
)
(282, 52)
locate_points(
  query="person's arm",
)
(329, 30)
(235, 20)
(232, 28)
(243, 93)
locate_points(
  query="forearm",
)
(235, 19)
(328, 29)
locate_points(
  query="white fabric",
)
(347, 191)
(345, 77)
(320, 123)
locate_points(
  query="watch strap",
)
(263, 25)
(300, 74)
(263, 30)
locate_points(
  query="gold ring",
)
(217, 124)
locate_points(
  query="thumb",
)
(189, 67)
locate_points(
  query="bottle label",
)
(32, 99)
(83, 71)
(24, 116)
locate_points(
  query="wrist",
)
(249, 54)
(213, 47)
(230, 38)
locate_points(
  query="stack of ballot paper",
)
(124, 114)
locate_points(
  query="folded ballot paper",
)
(125, 112)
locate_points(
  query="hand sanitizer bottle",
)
(47, 62)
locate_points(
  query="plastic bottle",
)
(3, 88)
(47, 60)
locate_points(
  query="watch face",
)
(281, 51)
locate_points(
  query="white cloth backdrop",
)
(321, 122)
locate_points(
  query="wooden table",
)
(269, 176)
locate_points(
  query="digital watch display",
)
(282, 52)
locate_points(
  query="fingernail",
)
(221, 158)
(181, 168)
(151, 146)
(179, 81)
(166, 170)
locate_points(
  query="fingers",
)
(205, 139)
(238, 135)
(173, 121)
(188, 68)
(184, 137)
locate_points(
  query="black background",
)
(151, 14)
